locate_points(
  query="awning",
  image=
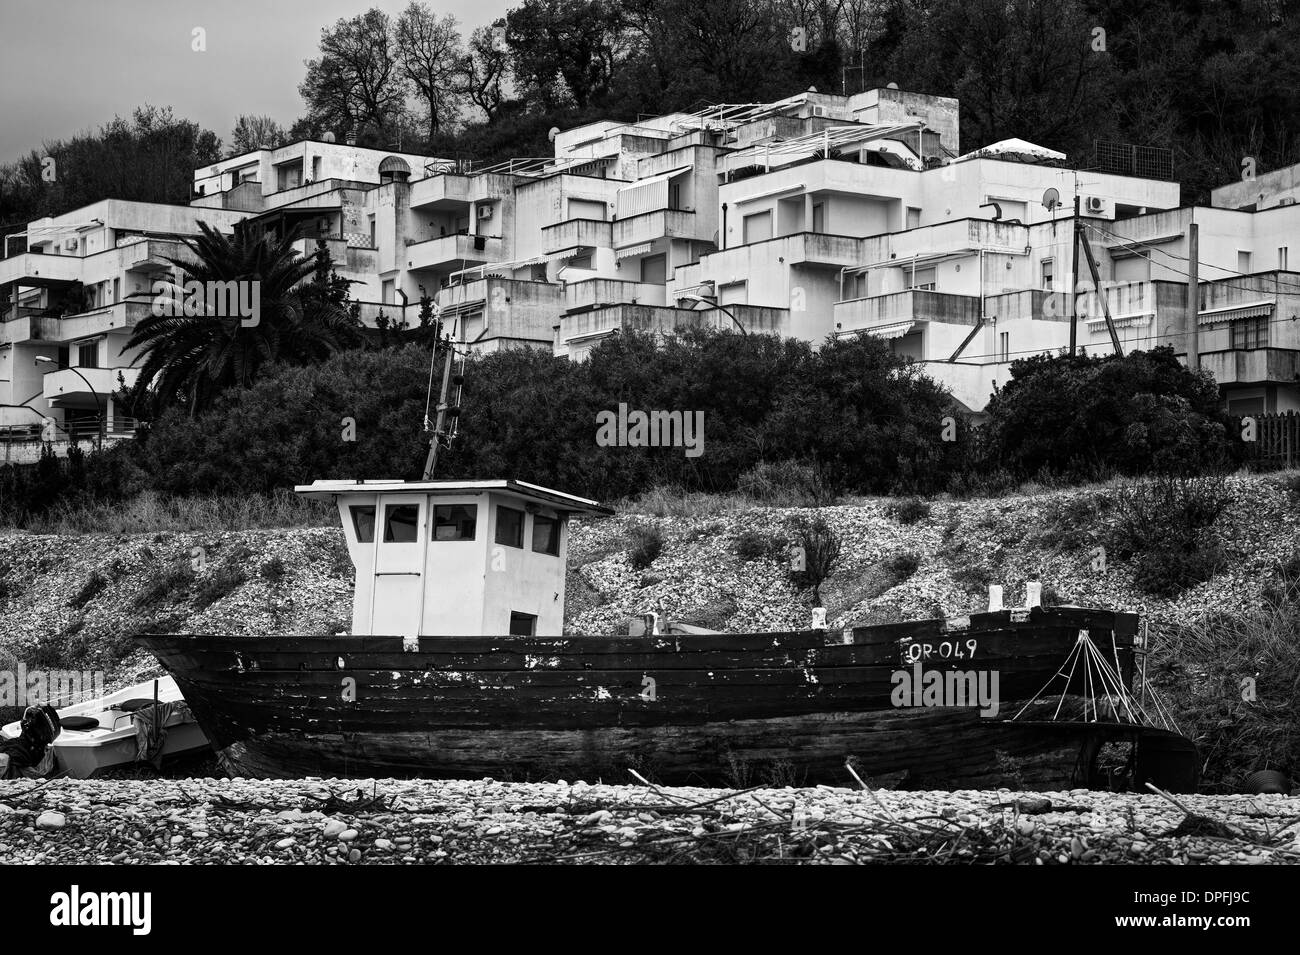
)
(1230, 313)
(645, 195)
(565, 254)
(639, 249)
(896, 330)
(1121, 321)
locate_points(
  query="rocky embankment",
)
(722, 564)
(393, 822)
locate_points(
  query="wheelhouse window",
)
(454, 522)
(1250, 333)
(546, 535)
(510, 527)
(363, 523)
(401, 523)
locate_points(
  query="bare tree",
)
(430, 52)
(483, 69)
(256, 132)
(356, 84)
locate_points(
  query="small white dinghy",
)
(103, 733)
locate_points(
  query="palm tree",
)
(189, 359)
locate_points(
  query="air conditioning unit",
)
(70, 245)
(817, 111)
(1096, 204)
(484, 212)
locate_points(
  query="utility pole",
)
(1193, 296)
(1074, 276)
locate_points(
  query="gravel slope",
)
(698, 577)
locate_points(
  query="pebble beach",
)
(219, 821)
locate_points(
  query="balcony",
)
(1256, 366)
(591, 293)
(454, 251)
(665, 223)
(112, 318)
(444, 191)
(861, 314)
(34, 269)
(573, 233)
(71, 387)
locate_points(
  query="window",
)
(1048, 271)
(674, 195)
(88, 355)
(401, 523)
(913, 218)
(1250, 333)
(454, 522)
(363, 522)
(758, 227)
(819, 217)
(546, 535)
(921, 280)
(510, 527)
(386, 288)
(522, 624)
(1004, 346)
(1282, 257)
(1243, 263)
(372, 232)
(580, 261)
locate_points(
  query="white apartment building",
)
(72, 288)
(812, 217)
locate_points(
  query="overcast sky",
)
(67, 66)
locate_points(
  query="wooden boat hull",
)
(702, 708)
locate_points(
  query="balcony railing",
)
(865, 313)
(451, 250)
(664, 223)
(572, 233)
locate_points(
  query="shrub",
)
(902, 566)
(165, 584)
(1165, 528)
(92, 587)
(273, 570)
(909, 510)
(646, 541)
(1201, 671)
(821, 554)
(785, 483)
(755, 545)
(220, 583)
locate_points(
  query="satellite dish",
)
(1051, 199)
(552, 133)
(328, 137)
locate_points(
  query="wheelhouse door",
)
(401, 536)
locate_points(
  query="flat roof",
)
(568, 502)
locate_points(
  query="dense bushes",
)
(850, 416)
(782, 423)
(1088, 417)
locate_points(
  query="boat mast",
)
(442, 432)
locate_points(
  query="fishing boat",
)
(457, 665)
(108, 732)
